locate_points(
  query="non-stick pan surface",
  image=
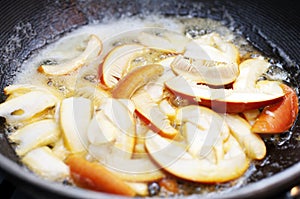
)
(272, 27)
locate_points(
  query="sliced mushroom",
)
(169, 41)
(200, 142)
(43, 162)
(252, 143)
(203, 118)
(213, 47)
(122, 118)
(101, 130)
(75, 116)
(205, 52)
(250, 71)
(117, 61)
(25, 106)
(133, 170)
(94, 93)
(149, 111)
(20, 89)
(167, 108)
(91, 52)
(155, 87)
(37, 134)
(174, 157)
(251, 115)
(59, 149)
(141, 188)
(136, 79)
(205, 71)
(227, 100)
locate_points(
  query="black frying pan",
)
(272, 27)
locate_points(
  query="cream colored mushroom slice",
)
(25, 106)
(15, 90)
(174, 157)
(75, 116)
(44, 163)
(200, 142)
(252, 143)
(101, 130)
(227, 100)
(155, 87)
(204, 131)
(121, 116)
(59, 149)
(149, 111)
(117, 61)
(250, 71)
(141, 188)
(251, 115)
(198, 51)
(130, 169)
(206, 71)
(91, 52)
(214, 47)
(166, 107)
(169, 41)
(227, 47)
(141, 130)
(37, 134)
(94, 93)
(204, 119)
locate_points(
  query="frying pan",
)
(273, 28)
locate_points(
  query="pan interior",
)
(40, 27)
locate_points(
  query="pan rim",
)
(276, 183)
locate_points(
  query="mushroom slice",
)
(94, 93)
(227, 100)
(136, 79)
(252, 143)
(205, 52)
(203, 118)
(101, 130)
(250, 71)
(214, 39)
(205, 71)
(213, 47)
(75, 116)
(122, 118)
(279, 117)
(169, 41)
(167, 108)
(133, 170)
(166, 63)
(155, 87)
(44, 163)
(174, 158)
(228, 48)
(117, 61)
(251, 115)
(35, 135)
(20, 89)
(200, 142)
(91, 52)
(59, 149)
(25, 106)
(141, 188)
(150, 113)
